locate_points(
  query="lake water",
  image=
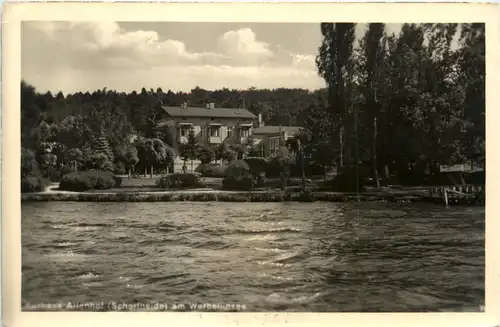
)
(265, 256)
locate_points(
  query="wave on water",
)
(163, 278)
(273, 263)
(280, 278)
(275, 250)
(87, 228)
(167, 227)
(65, 256)
(92, 284)
(270, 215)
(261, 237)
(89, 275)
(65, 244)
(92, 225)
(215, 245)
(290, 256)
(285, 260)
(58, 226)
(270, 230)
(316, 257)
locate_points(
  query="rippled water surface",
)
(267, 256)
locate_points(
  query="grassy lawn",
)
(148, 184)
(144, 182)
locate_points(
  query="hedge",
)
(33, 184)
(89, 180)
(211, 170)
(179, 180)
(238, 168)
(238, 183)
(54, 174)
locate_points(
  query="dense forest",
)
(399, 104)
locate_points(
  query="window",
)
(184, 130)
(214, 131)
(274, 145)
(245, 132)
(229, 131)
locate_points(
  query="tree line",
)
(399, 104)
(93, 130)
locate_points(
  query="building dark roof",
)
(275, 130)
(210, 113)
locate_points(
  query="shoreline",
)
(52, 193)
(229, 196)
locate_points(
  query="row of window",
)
(214, 131)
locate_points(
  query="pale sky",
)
(86, 56)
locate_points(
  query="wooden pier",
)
(459, 195)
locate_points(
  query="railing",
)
(464, 189)
(469, 194)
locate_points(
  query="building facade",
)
(269, 139)
(212, 126)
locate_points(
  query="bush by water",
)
(179, 180)
(238, 183)
(89, 180)
(211, 170)
(33, 184)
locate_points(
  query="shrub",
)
(120, 168)
(88, 180)
(29, 166)
(273, 168)
(306, 196)
(179, 180)
(257, 165)
(243, 182)
(228, 155)
(206, 154)
(238, 168)
(33, 184)
(55, 175)
(209, 170)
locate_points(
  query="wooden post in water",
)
(445, 191)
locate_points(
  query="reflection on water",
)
(268, 256)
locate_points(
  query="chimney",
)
(261, 123)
